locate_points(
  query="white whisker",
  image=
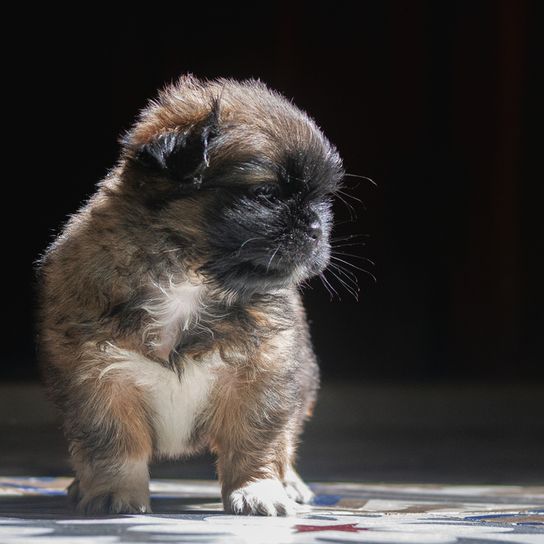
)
(361, 177)
(348, 288)
(354, 256)
(272, 258)
(354, 266)
(322, 278)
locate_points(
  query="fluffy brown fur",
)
(170, 314)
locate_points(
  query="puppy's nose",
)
(314, 231)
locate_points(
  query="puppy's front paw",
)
(108, 501)
(261, 497)
(112, 502)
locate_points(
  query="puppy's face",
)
(273, 229)
(248, 184)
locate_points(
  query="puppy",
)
(170, 316)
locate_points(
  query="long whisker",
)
(351, 210)
(349, 196)
(322, 278)
(344, 222)
(354, 266)
(348, 244)
(355, 257)
(352, 283)
(348, 237)
(330, 285)
(342, 267)
(350, 275)
(348, 288)
(361, 177)
(329, 281)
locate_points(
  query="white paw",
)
(262, 497)
(296, 489)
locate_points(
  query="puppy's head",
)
(239, 175)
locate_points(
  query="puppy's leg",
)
(308, 377)
(111, 486)
(295, 487)
(107, 425)
(251, 438)
(251, 478)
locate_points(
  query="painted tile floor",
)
(34, 509)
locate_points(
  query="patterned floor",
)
(34, 510)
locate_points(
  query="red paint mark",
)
(347, 528)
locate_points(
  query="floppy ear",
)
(182, 156)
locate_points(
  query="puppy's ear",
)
(181, 156)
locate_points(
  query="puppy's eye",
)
(266, 190)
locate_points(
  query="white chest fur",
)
(171, 312)
(177, 402)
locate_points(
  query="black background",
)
(435, 101)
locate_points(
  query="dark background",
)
(435, 101)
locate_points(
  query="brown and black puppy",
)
(170, 315)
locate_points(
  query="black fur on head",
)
(255, 174)
(269, 234)
(181, 155)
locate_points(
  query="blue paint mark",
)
(51, 492)
(521, 517)
(326, 500)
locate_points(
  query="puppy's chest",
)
(190, 332)
(172, 312)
